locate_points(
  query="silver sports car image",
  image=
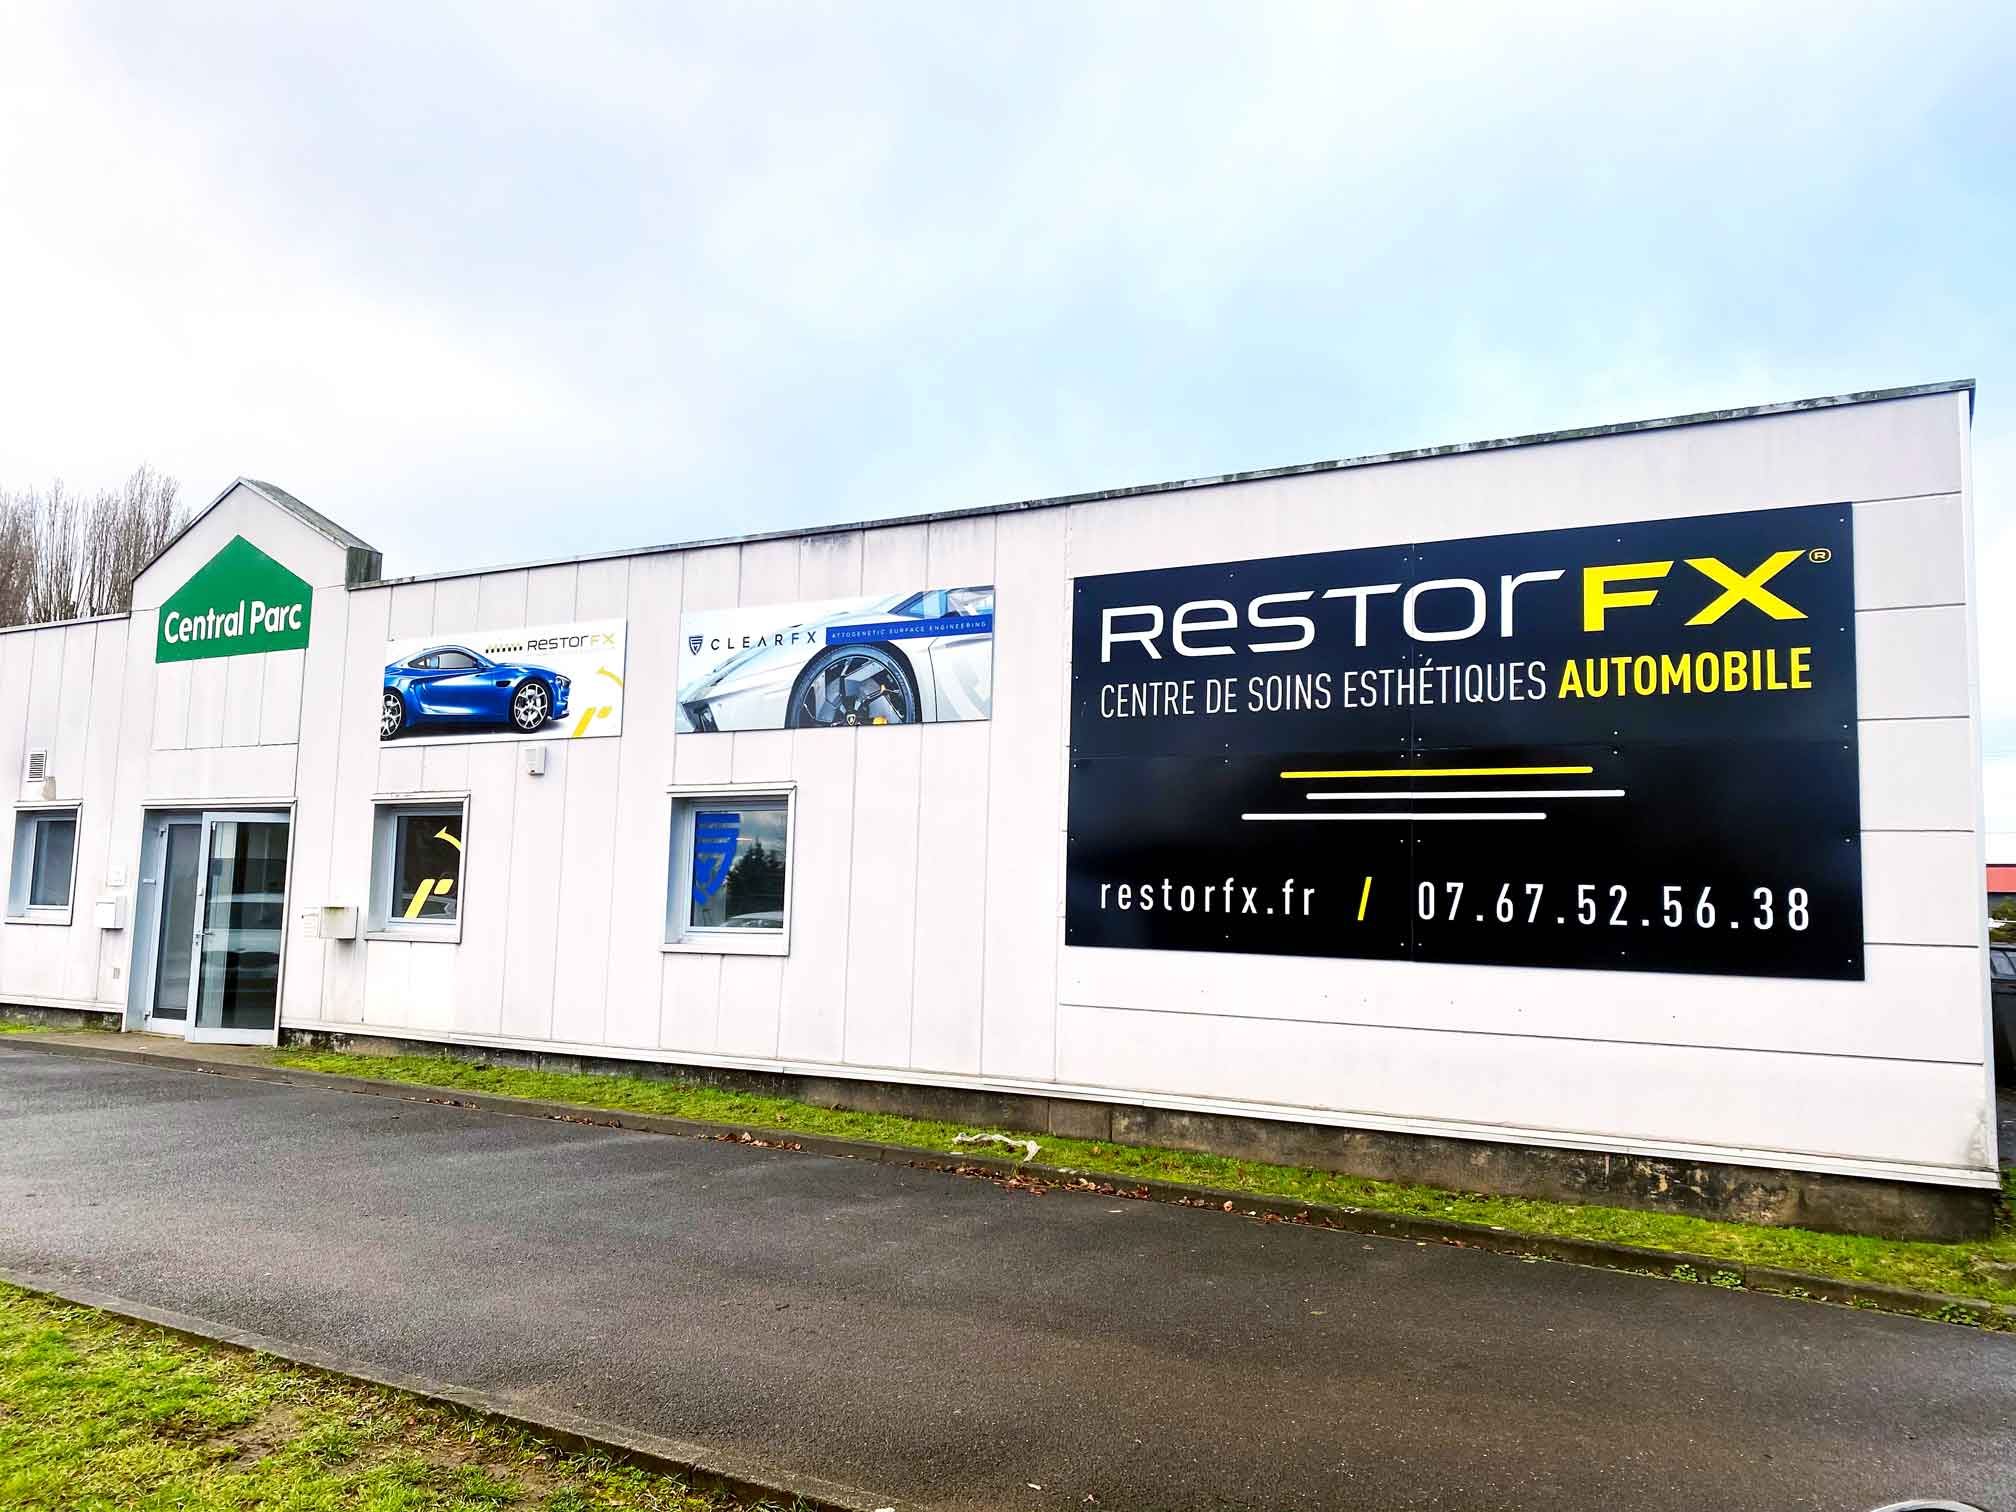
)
(906, 658)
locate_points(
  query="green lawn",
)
(101, 1415)
(1951, 1268)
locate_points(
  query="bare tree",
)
(63, 556)
(17, 555)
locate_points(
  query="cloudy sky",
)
(489, 282)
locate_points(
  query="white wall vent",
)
(38, 767)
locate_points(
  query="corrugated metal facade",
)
(928, 860)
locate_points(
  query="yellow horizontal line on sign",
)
(1533, 771)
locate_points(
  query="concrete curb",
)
(704, 1469)
(1676, 1265)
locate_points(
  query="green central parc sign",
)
(240, 602)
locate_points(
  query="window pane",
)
(738, 868)
(55, 846)
(426, 868)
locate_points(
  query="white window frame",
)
(386, 809)
(680, 935)
(20, 877)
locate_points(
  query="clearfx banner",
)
(916, 657)
(1626, 747)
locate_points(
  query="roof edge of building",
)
(1377, 459)
(361, 559)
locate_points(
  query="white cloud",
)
(450, 272)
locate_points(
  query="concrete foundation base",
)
(1750, 1194)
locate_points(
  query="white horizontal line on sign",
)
(1375, 818)
(1440, 797)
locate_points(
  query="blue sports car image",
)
(454, 685)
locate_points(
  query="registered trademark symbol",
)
(1819, 554)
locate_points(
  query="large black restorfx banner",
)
(1629, 747)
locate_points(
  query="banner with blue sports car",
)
(924, 656)
(530, 682)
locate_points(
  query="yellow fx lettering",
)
(1738, 588)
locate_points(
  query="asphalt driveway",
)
(949, 1343)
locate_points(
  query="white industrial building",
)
(226, 841)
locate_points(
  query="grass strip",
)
(1967, 1270)
(102, 1413)
(36, 1026)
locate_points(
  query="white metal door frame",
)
(147, 963)
(151, 916)
(197, 1033)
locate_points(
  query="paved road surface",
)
(947, 1342)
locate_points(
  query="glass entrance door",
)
(242, 908)
(177, 873)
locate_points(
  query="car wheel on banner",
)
(854, 685)
(391, 716)
(531, 705)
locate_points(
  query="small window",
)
(2002, 963)
(45, 864)
(416, 870)
(730, 880)
(455, 661)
